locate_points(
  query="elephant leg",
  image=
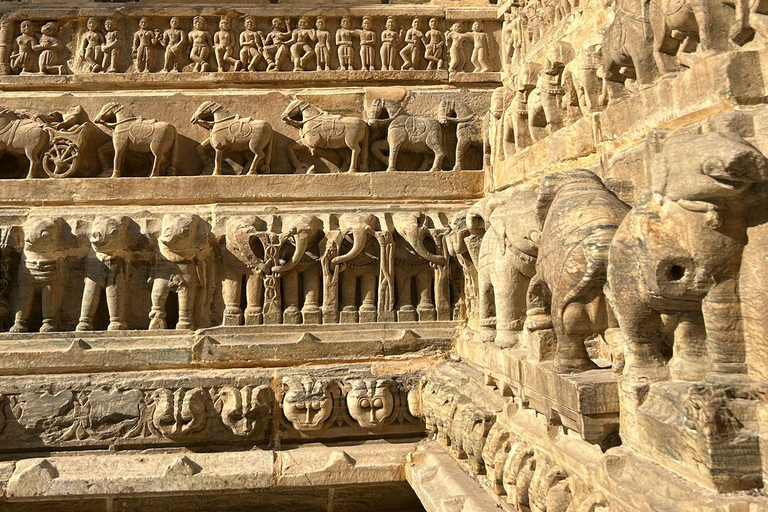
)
(310, 311)
(160, 291)
(571, 328)
(712, 19)
(50, 298)
(91, 295)
(368, 297)
(258, 156)
(689, 358)
(437, 148)
(187, 297)
(486, 304)
(644, 62)
(115, 293)
(511, 294)
(230, 291)
(349, 312)
(291, 314)
(405, 310)
(26, 296)
(254, 296)
(426, 308)
(725, 330)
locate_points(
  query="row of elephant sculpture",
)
(294, 269)
(661, 279)
(55, 142)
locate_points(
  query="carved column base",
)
(253, 317)
(407, 315)
(427, 314)
(349, 317)
(232, 319)
(292, 317)
(312, 317)
(704, 432)
(386, 316)
(367, 316)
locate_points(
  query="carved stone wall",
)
(383, 255)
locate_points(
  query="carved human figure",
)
(200, 45)
(300, 269)
(179, 413)
(242, 257)
(174, 40)
(251, 45)
(23, 60)
(506, 261)
(47, 244)
(344, 42)
(183, 264)
(275, 44)
(50, 49)
(390, 40)
(546, 114)
(421, 260)
(685, 237)
(367, 44)
(302, 40)
(480, 48)
(111, 47)
(357, 266)
(224, 46)
(370, 402)
(434, 46)
(307, 403)
(323, 45)
(144, 42)
(578, 218)
(517, 133)
(115, 246)
(411, 52)
(91, 43)
(455, 39)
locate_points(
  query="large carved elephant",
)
(683, 242)
(183, 264)
(465, 248)
(422, 267)
(47, 244)
(299, 263)
(242, 257)
(359, 267)
(506, 261)
(578, 218)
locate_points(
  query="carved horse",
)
(140, 135)
(20, 136)
(627, 46)
(405, 132)
(230, 132)
(469, 127)
(320, 130)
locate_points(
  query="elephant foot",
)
(117, 326)
(232, 316)
(183, 325)
(19, 327)
(157, 323)
(312, 316)
(48, 326)
(563, 365)
(84, 325)
(507, 339)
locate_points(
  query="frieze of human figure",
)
(233, 133)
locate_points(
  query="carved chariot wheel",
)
(60, 160)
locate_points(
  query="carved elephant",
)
(546, 114)
(115, 242)
(358, 267)
(242, 257)
(516, 131)
(581, 81)
(47, 244)
(419, 266)
(681, 27)
(506, 261)
(519, 469)
(299, 264)
(578, 218)
(684, 243)
(183, 264)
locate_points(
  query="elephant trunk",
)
(409, 229)
(300, 240)
(359, 239)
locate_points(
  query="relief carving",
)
(309, 404)
(244, 410)
(370, 402)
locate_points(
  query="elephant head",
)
(411, 227)
(302, 230)
(47, 236)
(456, 235)
(359, 226)
(110, 235)
(240, 235)
(184, 234)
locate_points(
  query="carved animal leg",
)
(103, 154)
(486, 306)
(712, 19)
(725, 332)
(571, 329)
(26, 295)
(160, 290)
(230, 291)
(291, 313)
(310, 311)
(689, 359)
(354, 146)
(437, 148)
(50, 297)
(511, 289)
(91, 296)
(461, 147)
(394, 149)
(254, 296)
(426, 307)
(204, 151)
(115, 292)
(295, 163)
(644, 62)
(258, 155)
(187, 297)
(159, 164)
(33, 155)
(117, 167)
(376, 149)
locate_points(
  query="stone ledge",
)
(265, 188)
(219, 347)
